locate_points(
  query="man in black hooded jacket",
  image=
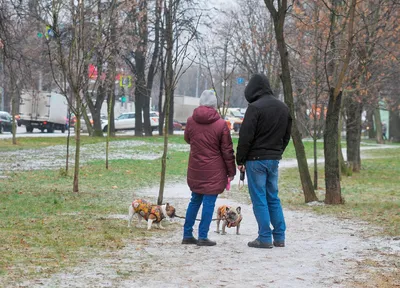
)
(263, 137)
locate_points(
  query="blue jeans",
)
(206, 214)
(262, 178)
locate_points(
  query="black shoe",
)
(279, 243)
(189, 240)
(206, 242)
(257, 244)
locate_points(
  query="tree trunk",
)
(97, 131)
(110, 82)
(170, 127)
(315, 161)
(378, 124)
(140, 93)
(371, 129)
(77, 143)
(111, 114)
(161, 110)
(95, 110)
(152, 68)
(279, 20)
(13, 108)
(353, 133)
(394, 126)
(332, 172)
(168, 91)
(110, 107)
(68, 140)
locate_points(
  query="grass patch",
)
(371, 195)
(46, 227)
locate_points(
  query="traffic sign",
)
(125, 81)
(240, 80)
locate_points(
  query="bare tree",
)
(178, 23)
(218, 59)
(69, 55)
(278, 16)
(13, 60)
(335, 73)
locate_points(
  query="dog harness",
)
(224, 215)
(145, 209)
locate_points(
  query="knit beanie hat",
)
(208, 99)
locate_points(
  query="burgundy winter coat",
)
(211, 158)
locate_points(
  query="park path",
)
(321, 251)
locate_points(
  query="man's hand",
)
(231, 178)
(241, 168)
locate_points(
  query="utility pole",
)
(197, 81)
(2, 79)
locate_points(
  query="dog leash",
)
(214, 219)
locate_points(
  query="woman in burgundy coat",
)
(211, 165)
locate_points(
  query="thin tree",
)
(278, 16)
(69, 55)
(176, 55)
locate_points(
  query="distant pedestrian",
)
(384, 130)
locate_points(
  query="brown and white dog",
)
(151, 213)
(230, 216)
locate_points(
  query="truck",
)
(183, 107)
(43, 111)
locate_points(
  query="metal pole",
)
(2, 98)
(40, 81)
(197, 82)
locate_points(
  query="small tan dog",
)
(151, 213)
(231, 217)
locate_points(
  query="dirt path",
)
(321, 252)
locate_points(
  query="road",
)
(21, 132)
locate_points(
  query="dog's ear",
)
(167, 205)
(238, 209)
(227, 209)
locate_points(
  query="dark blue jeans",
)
(208, 202)
(262, 178)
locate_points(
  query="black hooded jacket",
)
(265, 131)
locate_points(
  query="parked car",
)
(126, 121)
(103, 119)
(5, 122)
(177, 126)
